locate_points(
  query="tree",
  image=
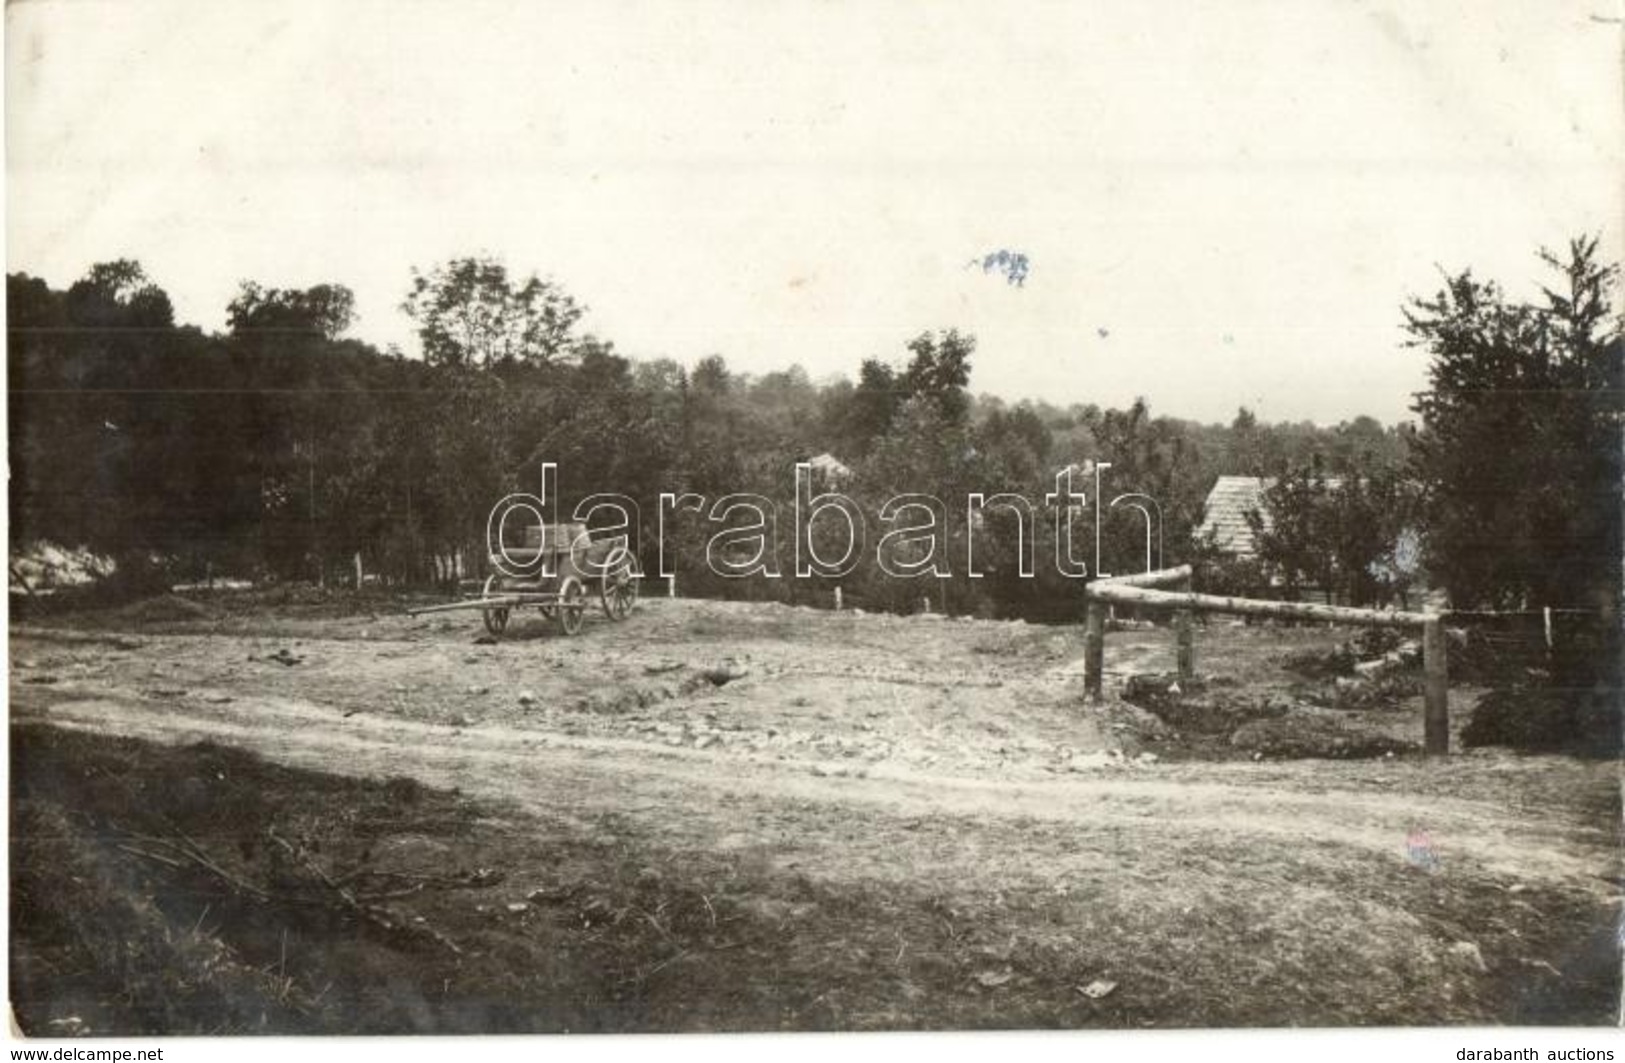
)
(325, 310)
(1364, 443)
(1291, 530)
(925, 452)
(939, 371)
(119, 295)
(1152, 456)
(1018, 441)
(874, 404)
(1520, 453)
(1251, 450)
(470, 313)
(711, 449)
(119, 279)
(1371, 534)
(31, 304)
(1520, 442)
(1353, 535)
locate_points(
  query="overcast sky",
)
(1222, 204)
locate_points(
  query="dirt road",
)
(928, 757)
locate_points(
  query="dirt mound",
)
(1323, 664)
(1269, 724)
(1378, 668)
(1312, 735)
(1199, 707)
(165, 608)
(1382, 690)
(1130, 724)
(627, 697)
(1376, 641)
(672, 680)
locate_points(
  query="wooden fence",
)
(1145, 591)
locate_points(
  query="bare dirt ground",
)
(732, 816)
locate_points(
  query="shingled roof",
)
(830, 467)
(1225, 513)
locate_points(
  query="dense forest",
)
(282, 450)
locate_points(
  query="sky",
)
(1222, 204)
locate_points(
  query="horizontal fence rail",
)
(1110, 591)
(1161, 577)
(1142, 591)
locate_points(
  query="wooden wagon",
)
(563, 568)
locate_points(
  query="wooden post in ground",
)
(1184, 639)
(1094, 649)
(1436, 690)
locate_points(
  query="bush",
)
(1537, 719)
(1234, 577)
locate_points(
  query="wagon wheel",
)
(496, 620)
(572, 607)
(618, 587)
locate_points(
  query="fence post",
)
(1185, 639)
(1185, 645)
(837, 599)
(1436, 689)
(1094, 649)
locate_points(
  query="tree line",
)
(282, 449)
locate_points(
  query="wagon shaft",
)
(505, 602)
